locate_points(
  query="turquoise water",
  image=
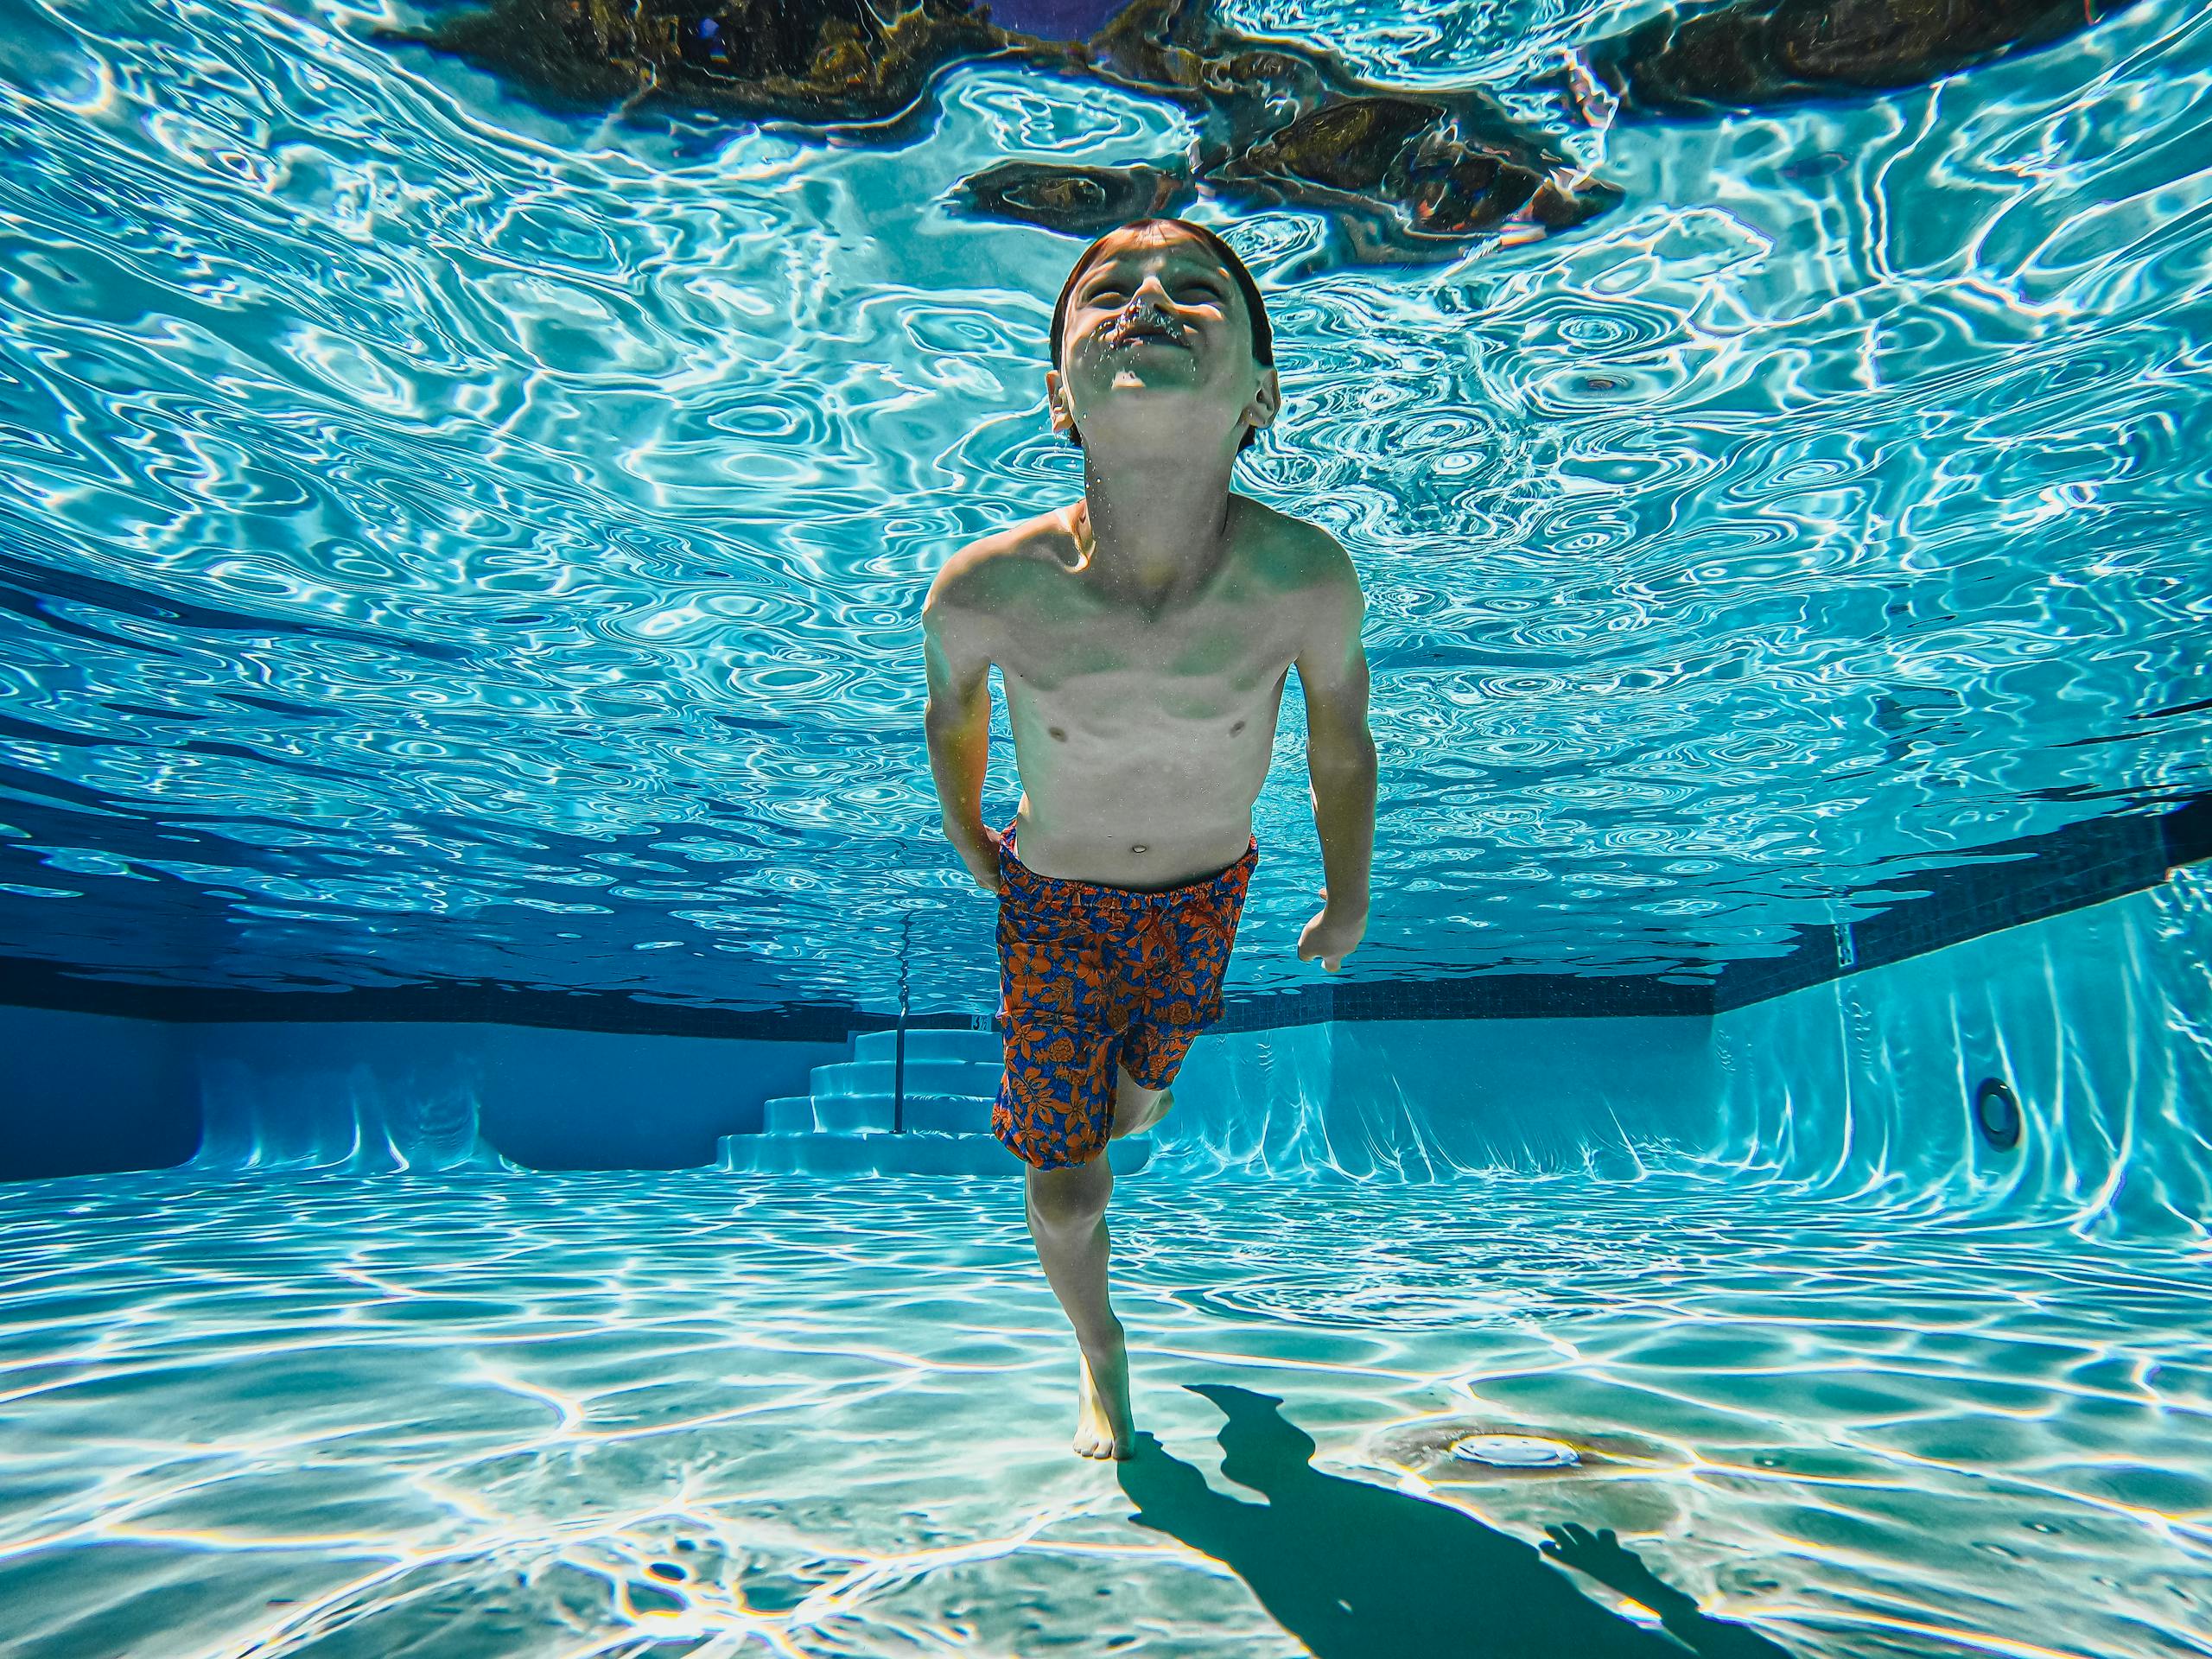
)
(1860, 1385)
(620, 1415)
(450, 538)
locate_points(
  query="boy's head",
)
(1161, 305)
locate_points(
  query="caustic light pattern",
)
(614, 1415)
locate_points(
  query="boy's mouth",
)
(1141, 323)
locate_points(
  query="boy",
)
(1143, 635)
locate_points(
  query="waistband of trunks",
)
(1021, 877)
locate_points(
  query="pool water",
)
(691, 1413)
(455, 543)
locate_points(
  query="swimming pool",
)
(462, 792)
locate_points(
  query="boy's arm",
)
(1339, 759)
(958, 722)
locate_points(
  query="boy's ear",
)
(1267, 402)
(1056, 403)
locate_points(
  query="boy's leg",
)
(1055, 1111)
(1067, 1219)
(1136, 1108)
(1186, 954)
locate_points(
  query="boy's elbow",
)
(1349, 758)
(947, 719)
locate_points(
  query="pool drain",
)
(1997, 1113)
(1515, 1451)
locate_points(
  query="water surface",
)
(451, 539)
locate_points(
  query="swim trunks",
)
(1092, 976)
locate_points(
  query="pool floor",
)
(695, 1414)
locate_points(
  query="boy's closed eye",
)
(1185, 292)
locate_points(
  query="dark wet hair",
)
(1264, 338)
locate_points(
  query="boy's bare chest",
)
(1114, 658)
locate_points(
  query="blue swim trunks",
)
(1091, 977)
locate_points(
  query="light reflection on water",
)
(448, 539)
(583, 1414)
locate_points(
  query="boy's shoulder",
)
(1294, 552)
(994, 571)
(993, 568)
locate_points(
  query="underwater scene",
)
(524, 1134)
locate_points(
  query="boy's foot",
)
(1104, 1427)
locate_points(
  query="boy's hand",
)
(1604, 1558)
(1332, 935)
(978, 847)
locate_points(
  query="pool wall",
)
(88, 1093)
(1414, 1100)
(1398, 1100)
(2099, 1021)
(84, 1094)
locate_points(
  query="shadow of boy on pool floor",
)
(1357, 1571)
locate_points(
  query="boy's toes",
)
(1101, 1445)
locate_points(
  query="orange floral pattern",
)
(1089, 977)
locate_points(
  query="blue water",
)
(446, 538)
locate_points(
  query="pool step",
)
(831, 1154)
(975, 1048)
(842, 1126)
(930, 1077)
(874, 1114)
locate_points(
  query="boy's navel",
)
(1058, 736)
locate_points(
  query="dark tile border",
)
(2007, 884)
(2004, 884)
(1498, 997)
(47, 985)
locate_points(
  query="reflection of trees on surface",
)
(1399, 174)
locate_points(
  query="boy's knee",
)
(1128, 1091)
(1067, 1200)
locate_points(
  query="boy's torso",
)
(1143, 735)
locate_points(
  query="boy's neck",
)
(1153, 527)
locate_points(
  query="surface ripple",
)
(448, 540)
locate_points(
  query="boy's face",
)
(1158, 347)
